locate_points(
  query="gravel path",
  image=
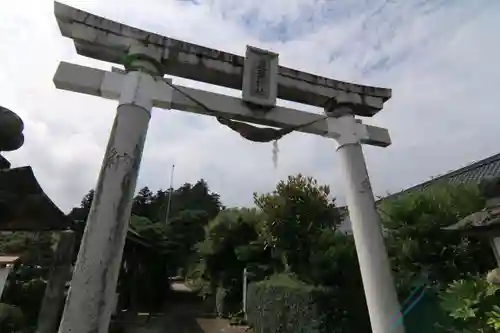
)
(183, 317)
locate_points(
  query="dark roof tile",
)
(470, 174)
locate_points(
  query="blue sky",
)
(439, 57)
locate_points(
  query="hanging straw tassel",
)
(275, 153)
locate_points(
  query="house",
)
(473, 173)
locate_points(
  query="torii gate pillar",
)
(378, 283)
(90, 299)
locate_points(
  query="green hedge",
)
(283, 304)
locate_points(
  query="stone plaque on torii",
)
(147, 57)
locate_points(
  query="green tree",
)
(416, 243)
(231, 243)
(80, 215)
(333, 260)
(295, 213)
(197, 197)
(333, 263)
(140, 224)
(142, 203)
(192, 206)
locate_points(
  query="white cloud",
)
(439, 57)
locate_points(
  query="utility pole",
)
(245, 287)
(170, 191)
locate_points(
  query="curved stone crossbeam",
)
(110, 41)
(11, 130)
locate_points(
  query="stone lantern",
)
(11, 134)
(485, 223)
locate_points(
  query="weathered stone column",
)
(378, 283)
(59, 274)
(90, 301)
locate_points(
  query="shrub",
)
(473, 305)
(284, 304)
(416, 243)
(11, 318)
(25, 291)
(228, 301)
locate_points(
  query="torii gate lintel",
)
(108, 84)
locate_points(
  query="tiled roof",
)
(24, 206)
(470, 174)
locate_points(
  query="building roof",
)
(471, 174)
(24, 206)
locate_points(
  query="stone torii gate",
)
(147, 57)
